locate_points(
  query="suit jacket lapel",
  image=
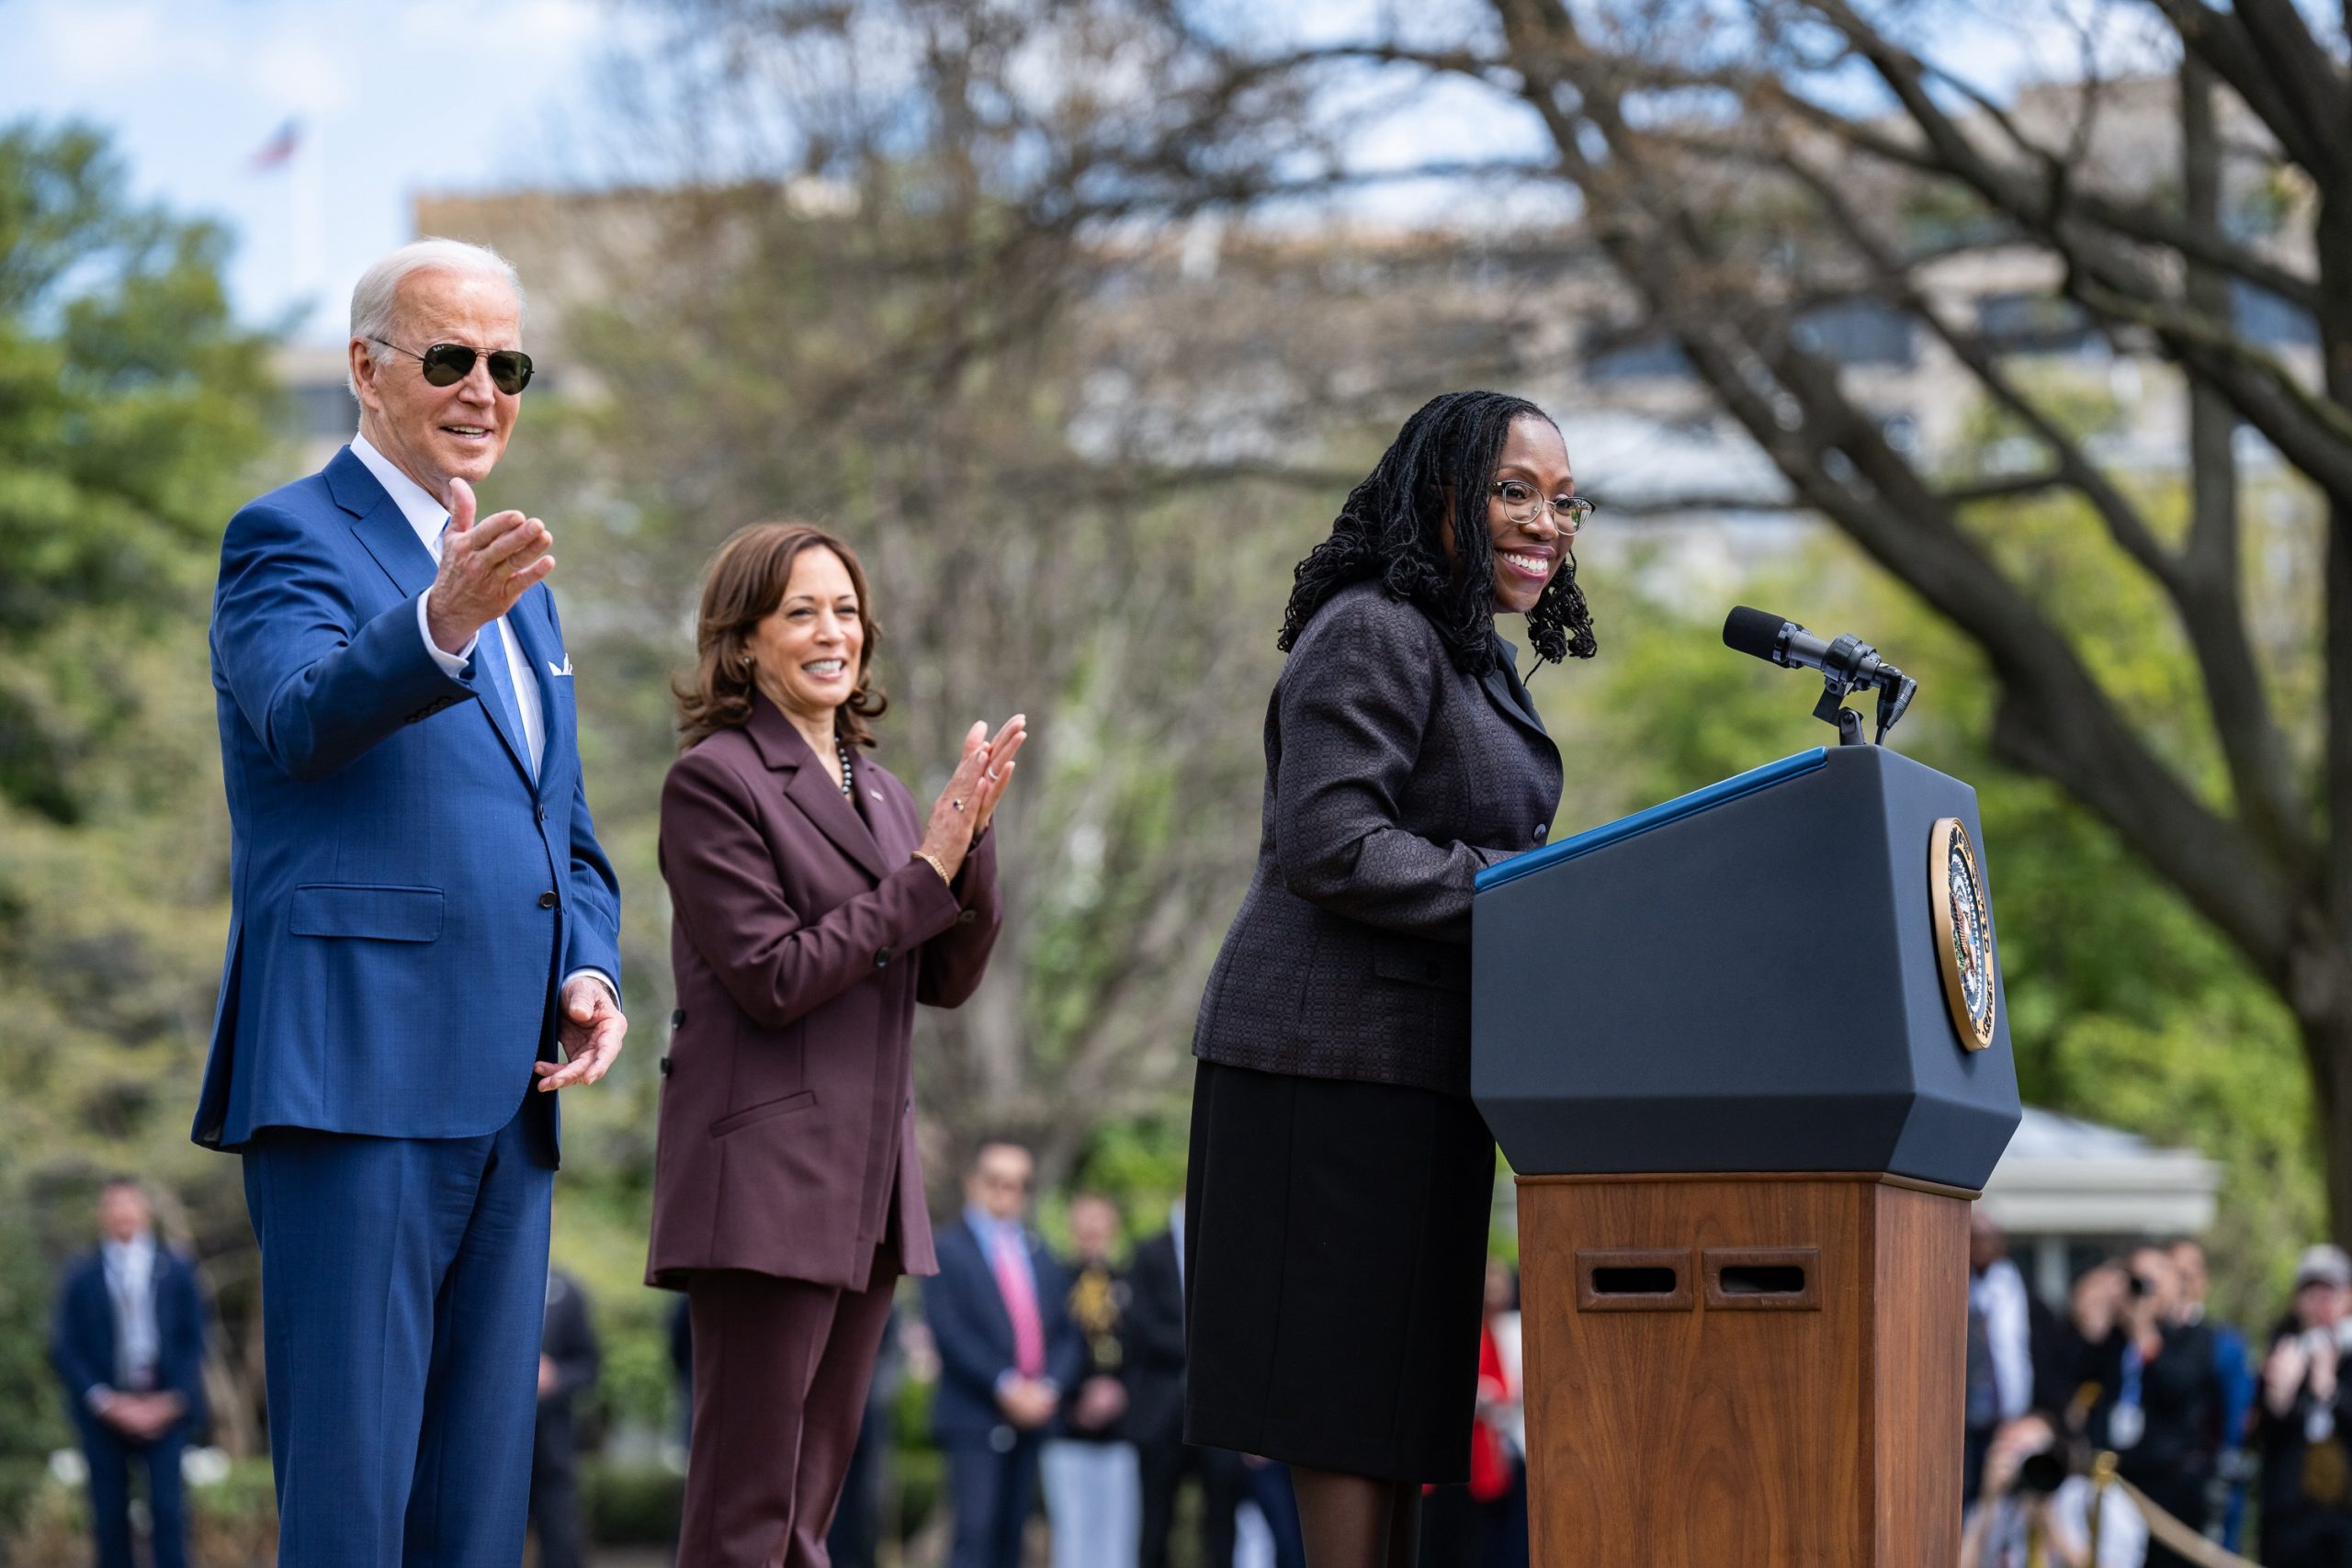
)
(383, 528)
(380, 523)
(891, 835)
(816, 790)
(1509, 694)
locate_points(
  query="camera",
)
(2135, 1284)
(2042, 1471)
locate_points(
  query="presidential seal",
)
(1964, 931)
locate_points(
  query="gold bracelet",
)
(936, 864)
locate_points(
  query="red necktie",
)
(1020, 1293)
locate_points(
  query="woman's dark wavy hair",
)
(1393, 528)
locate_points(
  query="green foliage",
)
(2125, 1005)
(132, 414)
(129, 405)
(631, 1504)
(27, 1385)
(232, 1522)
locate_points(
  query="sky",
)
(392, 98)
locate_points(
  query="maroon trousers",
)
(781, 1370)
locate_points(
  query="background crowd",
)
(2239, 1435)
(2213, 1426)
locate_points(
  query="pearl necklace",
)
(840, 749)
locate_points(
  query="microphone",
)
(1845, 663)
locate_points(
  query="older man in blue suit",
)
(423, 944)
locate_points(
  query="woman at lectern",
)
(1340, 1178)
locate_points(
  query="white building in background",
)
(2070, 1193)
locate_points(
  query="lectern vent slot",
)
(1763, 1280)
(1633, 1280)
(1636, 1281)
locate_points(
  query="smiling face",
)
(1528, 554)
(436, 433)
(805, 652)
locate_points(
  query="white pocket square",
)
(565, 671)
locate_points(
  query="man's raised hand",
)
(485, 567)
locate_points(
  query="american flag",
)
(279, 148)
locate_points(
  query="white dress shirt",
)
(1999, 1294)
(130, 1288)
(429, 517)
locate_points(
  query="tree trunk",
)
(2327, 1046)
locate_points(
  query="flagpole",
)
(307, 214)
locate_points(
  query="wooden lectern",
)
(1746, 1052)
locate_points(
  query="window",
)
(2034, 323)
(1857, 331)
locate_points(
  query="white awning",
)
(2067, 1178)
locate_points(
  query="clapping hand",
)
(590, 1025)
(998, 770)
(485, 567)
(964, 806)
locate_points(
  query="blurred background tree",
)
(1035, 303)
(1758, 176)
(134, 412)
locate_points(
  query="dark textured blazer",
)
(1392, 779)
(801, 939)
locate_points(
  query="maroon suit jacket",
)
(800, 941)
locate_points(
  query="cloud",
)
(302, 72)
(106, 42)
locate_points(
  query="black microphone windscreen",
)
(1752, 631)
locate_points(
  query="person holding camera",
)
(2161, 1404)
(2304, 1420)
(2035, 1510)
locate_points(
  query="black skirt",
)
(1335, 1241)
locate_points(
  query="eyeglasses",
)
(446, 364)
(1523, 501)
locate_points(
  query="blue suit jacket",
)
(405, 896)
(974, 1332)
(81, 1343)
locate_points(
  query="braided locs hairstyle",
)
(1393, 528)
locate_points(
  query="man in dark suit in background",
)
(1156, 1406)
(569, 1359)
(128, 1346)
(998, 1313)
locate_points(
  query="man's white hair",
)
(375, 299)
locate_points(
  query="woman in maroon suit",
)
(814, 907)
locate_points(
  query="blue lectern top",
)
(1773, 973)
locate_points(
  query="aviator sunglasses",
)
(446, 364)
